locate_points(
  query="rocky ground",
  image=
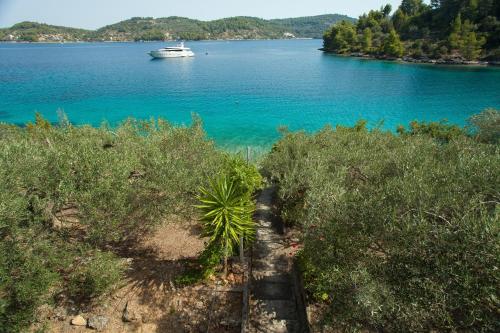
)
(150, 301)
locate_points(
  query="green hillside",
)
(174, 27)
(184, 28)
(33, 32)
(311, 26)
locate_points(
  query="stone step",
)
(278, 266)
(271, 276)
(268, 245)
(275, 326)
(263, 222)
(269, 250)
(274, 309)
(263, 207)
(266, 290)
(267, 234)
(272, 303)
(269, 255)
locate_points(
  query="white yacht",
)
(178, 51)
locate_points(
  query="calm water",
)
(243, 90)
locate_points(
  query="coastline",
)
(152, 41)
(410, 60)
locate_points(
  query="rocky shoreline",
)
(457, 61)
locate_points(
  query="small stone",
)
(78, 321)
(130, 315)
(60, 314)
(97, 322)
(230, 277)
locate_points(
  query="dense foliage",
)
(226, 207)
(70, 195)
(310, 26)
(34, 32)
(226, 216)
(400, 232)
(445, 29)
(171, 28)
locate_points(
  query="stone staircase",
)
(274, 306)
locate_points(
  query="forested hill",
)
(33, 32)
(172, 28)
(448, 31)
(311, 26)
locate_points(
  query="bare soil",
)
(149, 300)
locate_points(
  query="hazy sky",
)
(97, 13)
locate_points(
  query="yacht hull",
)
(168, 54)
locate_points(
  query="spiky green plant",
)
(226, 216)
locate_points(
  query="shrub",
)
(69, 194)
(226, 207)
(486, 126)
(441, 131)
(226, 216)
(401, 233)
(244, 176)
(24, 284)
(94, 275)
(206, 265)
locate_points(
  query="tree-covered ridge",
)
(449, 30)
(311, 26)
(33, 32)
(185, 28)
(174, 27)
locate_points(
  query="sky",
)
(92, 14)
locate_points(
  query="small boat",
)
(178, 51)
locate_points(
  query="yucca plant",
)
(226, 216)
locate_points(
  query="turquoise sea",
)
(243, 90)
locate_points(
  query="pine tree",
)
(412, 7)
(399, 20)
(342, 38)
(392, 45)
(471, 47)
(464, 39)
(454, 39)
(367, 41)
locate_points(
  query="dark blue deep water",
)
(243, 90)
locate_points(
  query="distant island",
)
(174, 28)
(444, 32)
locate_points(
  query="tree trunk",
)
(225, 261)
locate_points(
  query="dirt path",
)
(274, 305)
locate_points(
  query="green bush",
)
(69, 194)
(401, 233)
(25, 281)
(206, 265)
(94, 275)
(226, 208)
(226, 216)
(486, 126)
(245, 176)
(441, 131)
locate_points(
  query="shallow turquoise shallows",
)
(243, 90)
